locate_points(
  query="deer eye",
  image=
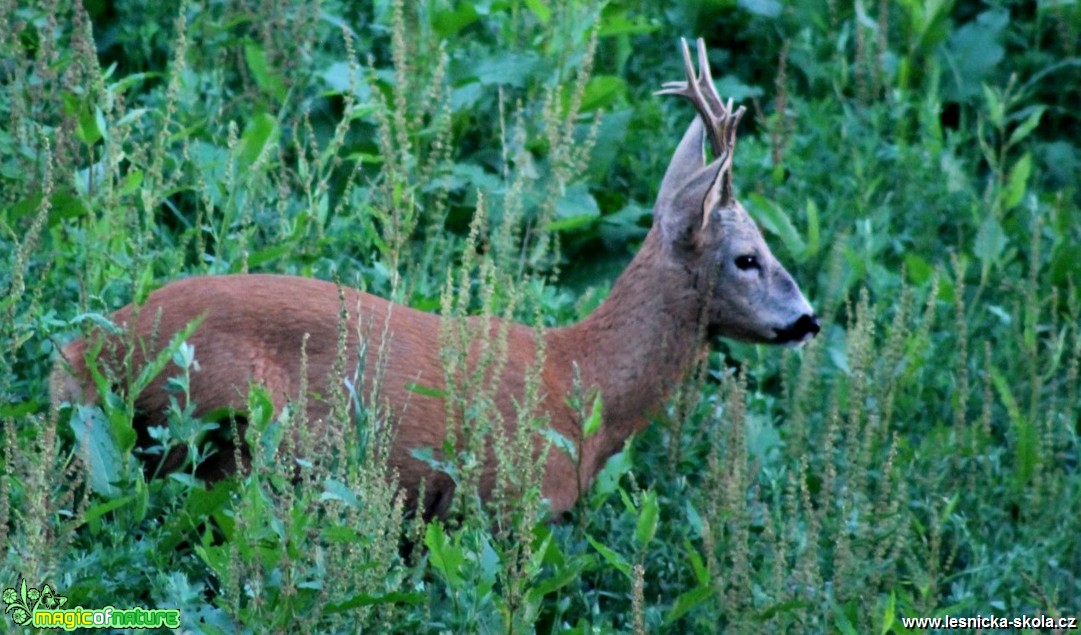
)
(745, 263)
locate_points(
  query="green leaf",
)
(511, 69)
(787, 606)
(260, 408)
(842, 620)
(563, 576)
(701, 573)
(734, 88)
(343, 535)
(602, 91)
(267, 79)
(333, 489)
(427, 456)
(974, 51)
(561, 442)
(611, 557)
(95, 512)
(62, 205)
(271, 436)
(571, 223)
(593, 421)
(90, 126)
(610, 148)
(694, 519)
(89, 120)
(919, 270)
(1015, 185)
(889, 617)
(370, 599)
(996, 110)
(773, 219)
(130, 183)
(450, 22)
(216, 557)
(260, 132)
(20, 409)
(204, 502)
(990, 242)
(646, 527)
(183, 477)
(270, 253)
(619, 24)
(687, 601)
(427, 391)
(1027, 126)
(764, 8)
(576, 208)
(607, 480)
(540, 10)
(862, 17)
(446, 557)
(98, 447)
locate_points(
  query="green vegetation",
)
(914, 164)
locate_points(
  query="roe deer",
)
(703, 270)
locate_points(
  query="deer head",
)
(705, 229)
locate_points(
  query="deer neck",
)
(640, 342)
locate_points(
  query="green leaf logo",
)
(22, 601)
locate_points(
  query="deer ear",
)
(684, 213)
(719, 193)
(678, 208)
(688, 159)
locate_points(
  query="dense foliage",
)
(914, 164)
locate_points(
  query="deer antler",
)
(718, 117)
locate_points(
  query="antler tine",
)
(691, 89)
(731, 124)
(725, 121)
(698, 88)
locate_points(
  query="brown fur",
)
(634, 348)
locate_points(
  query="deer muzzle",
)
(802, 330)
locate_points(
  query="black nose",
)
(799, 330)
(807, 324)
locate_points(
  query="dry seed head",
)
(961, 329)
(807, 567)
(638, 600)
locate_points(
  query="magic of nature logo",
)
(44, 608)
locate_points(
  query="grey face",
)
(754, 298)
